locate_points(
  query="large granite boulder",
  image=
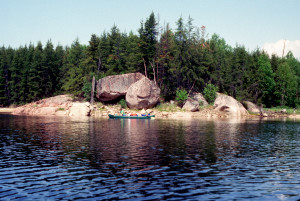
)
(200, 98)
(80, 109)
(251, 107)
(142, 94)
(229, 105)
(191, 105)
(115, 86)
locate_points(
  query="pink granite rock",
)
(115, 86)
(142, 94)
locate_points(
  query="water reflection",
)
(105, 159)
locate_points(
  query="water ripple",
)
(57, 158)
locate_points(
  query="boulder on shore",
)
(191, 105)
(142, 94)
(251, 107)
(115, 86)
(61, 105)
(80, 109)
(200, 98)
(229, 105)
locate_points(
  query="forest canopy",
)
(181, 58)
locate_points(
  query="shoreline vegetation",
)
(165, 110)
(184, 58)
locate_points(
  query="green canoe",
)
(130, 117)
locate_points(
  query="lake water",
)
(63, 158)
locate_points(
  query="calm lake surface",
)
(63, 158)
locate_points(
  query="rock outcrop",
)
(200, 98)
(229, 106)
(251, 107)
(62, 105)
(142, 94)
(115, 86)
(191, 105)
(80, 109)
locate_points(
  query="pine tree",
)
(148, 40)
(26, 62)
(166, 78)
(286, 85)
(15, 69)
(238, 72)
(180, 53)
(114, 58)
(35, 79)
(133, 56)
(221, 53)
(73, 66)
(295, 66)
(265, 79)
(57, 71)
(104, 51)
(48, 70)
(3, 67)
(92, 55)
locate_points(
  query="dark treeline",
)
(180, 58)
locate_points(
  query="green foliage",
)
(122, 103)
(181, 96)
(87, 87)
(179, 58)
(147, 43)
(286, 85)
(265, 79)
(167, 107)
(74, 69)
(289, 110)
(210, 93)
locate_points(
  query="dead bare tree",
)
(283, 48)
(93, 90)
(153, 72)
(145, 68)
(192, 88)
(99, 65)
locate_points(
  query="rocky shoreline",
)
(65, 105)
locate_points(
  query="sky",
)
(264, 24)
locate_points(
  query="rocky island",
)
(141, 93)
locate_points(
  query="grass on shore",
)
(279, 109)
(167, 107)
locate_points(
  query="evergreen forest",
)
(185, 57)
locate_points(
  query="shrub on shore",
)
(210, 93)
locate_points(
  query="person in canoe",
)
(122, 112)
(146, 112)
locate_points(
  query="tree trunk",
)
(93, 91)
(153, 72)
(99, 66)
(145, 68)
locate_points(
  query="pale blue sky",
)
(247, 22)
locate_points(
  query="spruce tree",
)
(48, 70)
(180, 53)
(265, 79)
(57, 71)
(16, 76)
(166, 63)
(35, 79)
(133, 56)
(73, 66)
(286, 85)
(3, 67)
(148, 40)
